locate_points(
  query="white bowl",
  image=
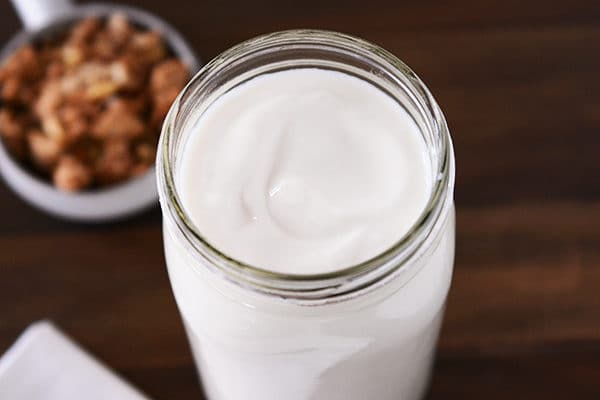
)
(104, 204)
(98, 205)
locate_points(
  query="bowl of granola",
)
(82, 101)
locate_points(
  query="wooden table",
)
(519, 82)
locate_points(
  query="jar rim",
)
(322, 286)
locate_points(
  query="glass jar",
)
(365, 332)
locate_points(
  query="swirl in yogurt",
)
(304, 171)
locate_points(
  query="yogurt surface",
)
(304, 171)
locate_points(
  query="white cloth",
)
(43, 364)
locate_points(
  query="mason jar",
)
(368, 331)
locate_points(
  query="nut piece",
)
(118, 28)
(118, 123)
(12, 133)
(71, 174)
(49, 99)
(22, 64)
(53, 129)
(84, 76)
(166, 81)
(72, 55)
(115, 162)
(104, 47)
(128, 73)
(147, 47)
(139, 169)
(74, 122)
(55, 70)
(44, 151)
(134, 105)
(87, 151)
(145, 152)
(162, 103)
(101, 90)
(168, 74)
(84, 30)
(11, 88)
(10, 126)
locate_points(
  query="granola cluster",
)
(86, 110)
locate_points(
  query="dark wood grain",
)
(519, 83)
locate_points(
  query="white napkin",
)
(43, 364)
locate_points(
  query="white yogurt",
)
(308, 171)
(304, 171)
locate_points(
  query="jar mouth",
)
(241, 60)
